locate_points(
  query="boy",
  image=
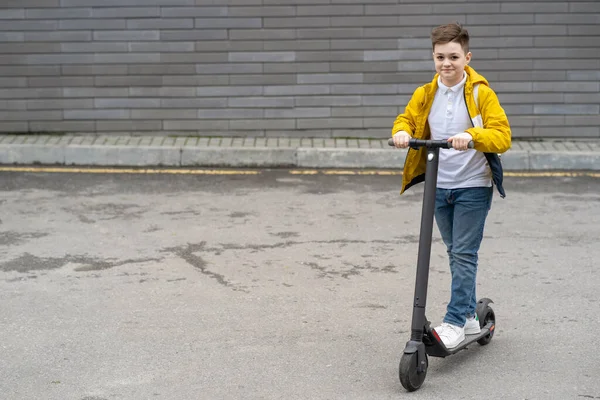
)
(458, 105)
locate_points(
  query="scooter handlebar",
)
(442, 144)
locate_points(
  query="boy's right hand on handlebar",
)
(401, 139)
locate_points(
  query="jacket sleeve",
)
(495, 136)
(407, 121)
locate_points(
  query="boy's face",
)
(450, 61)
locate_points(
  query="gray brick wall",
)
(319, 68)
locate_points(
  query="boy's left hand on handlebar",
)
(461, 141)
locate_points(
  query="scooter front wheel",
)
(410, 378)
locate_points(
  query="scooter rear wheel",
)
(410, 378)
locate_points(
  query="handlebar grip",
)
(414, 143)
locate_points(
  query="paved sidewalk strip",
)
(272, 152)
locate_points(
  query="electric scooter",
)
(424, 340)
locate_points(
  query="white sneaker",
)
(451, 335)
(472, 326)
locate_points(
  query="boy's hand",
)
(461, 141)
(401, 139)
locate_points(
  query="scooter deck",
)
(435, 348)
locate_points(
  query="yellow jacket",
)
(490, 131)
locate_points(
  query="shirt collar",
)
(444, 89)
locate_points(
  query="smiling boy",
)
(458, 106)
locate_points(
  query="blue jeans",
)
(460, 215)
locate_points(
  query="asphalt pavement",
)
(281, 284)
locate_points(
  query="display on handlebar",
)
(440, 144)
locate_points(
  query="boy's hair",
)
(450, 33)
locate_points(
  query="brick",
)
(416, 66)
(278, 45)
(500, 19)
(218, 91)
(296, 90)
(520, 98)
(262, 34)
(518, 109)
(567, 109)
(93, 70)
(25, 70)
(59, 13)
(544, 52)
(371, 66)
(280, 79)
(331, 55)
(300, 112)
(160, 23)
(96, 114)
(593, 98)
(95, 47)
(297, 68)
(295, 22)
(160, 69)
(13, 59)
(261, 102)
(532, 30)
(512, 87)
(416, 43)
(283, 56)
(352, 21)
(580, 7)
(152, 114)
(321, 101)
(380, 122)
(338, 89)
(531, 75)
(384, 100)
(561, 132)
(12, 127)
(119, 3)
(582, 120)
(195, 125)
(62, 81)
(94, 24)
(164, 47)
(502, 65)
(470, 8)
(583, 75)
(23, 93)
(25, 25)
(228, 23)
(170, 12)
(13, 104)
(128, 80)
(100, 103)
(585, 30)
(535, 7)
(267, 11)
(94, 92)
(390, 55)
(271, 124)
(328, 33)
(405, 31)
(127, 35)
(30, 115)
(210, 102)
(566, 64)
(584, 18)
(222, 45)
(193, 57)
(195, 80)
(329, 78)
(117, 58)
(388, 112)
(566, 86)
(163, 91)
(29, 3)
(232, 113)
(12, 14)
(12, 36)
(13, 82)
(536, 120)
(564, 41)
(499, 42)
(134, 126)
(421, 77)
(370, 44)
(60, 104)
(319, 123)
(399, 9)
(327, 10)
(125, 12)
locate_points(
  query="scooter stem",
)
(424, 255)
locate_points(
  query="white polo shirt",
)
(448, 117)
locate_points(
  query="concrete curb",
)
(266, 157)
